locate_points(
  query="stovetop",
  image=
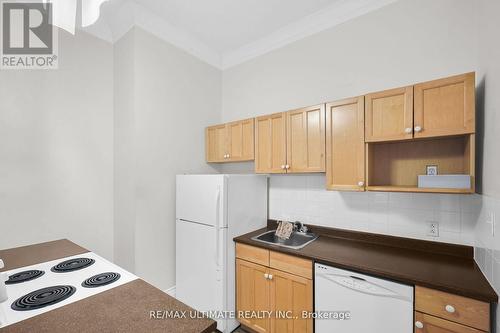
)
(39, 288)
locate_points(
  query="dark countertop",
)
(457, 274)
(37, 253)
(125, 308)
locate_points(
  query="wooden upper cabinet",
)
(270, 143)
(291, 293)
(445, 107)
(345, 145)
(252, 294)
(240, 141)
(306, 139)
(389, 115)
(231, 142)
(215, 143)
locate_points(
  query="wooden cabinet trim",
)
(252, 254)
(467, 311)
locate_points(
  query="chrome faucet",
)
(300, 227)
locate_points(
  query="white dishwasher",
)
(373, 305)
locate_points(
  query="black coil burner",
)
(72, 265)
(100, 280)
(43, 297)
(24, 276)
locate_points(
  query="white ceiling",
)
(226, 25)
(225, 33)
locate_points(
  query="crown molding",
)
(129, 13)
(327, 18)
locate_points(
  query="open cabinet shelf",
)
(395, 166)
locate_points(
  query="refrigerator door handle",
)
(217, 226)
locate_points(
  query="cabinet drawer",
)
(252, 254)
(429, 324)
(291, 264)
(456, 308)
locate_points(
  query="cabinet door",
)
(445, 107)
(290, 296)
(389, 115)
(345, 145)
(425, 323)
(252, 294)
(240, 140)
(306, 140)
(216, 143)
(270, 143)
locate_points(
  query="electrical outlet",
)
(433, 229)
(491, 220)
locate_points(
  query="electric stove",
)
(43, 287)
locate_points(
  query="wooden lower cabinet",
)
(425, 323)
(252, 294)
(290, 296)
(284, 296)
(454, 308)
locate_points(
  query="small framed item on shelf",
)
(432, 170)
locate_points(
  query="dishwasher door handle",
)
(388, 293)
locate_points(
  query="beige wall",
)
(56, 149)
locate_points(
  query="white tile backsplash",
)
(304, 198)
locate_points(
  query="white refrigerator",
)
(210, 211)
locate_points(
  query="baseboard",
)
(170, 291)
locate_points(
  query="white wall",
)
(56, 149)
(124, 152)
(402, 43)
(174, 97)
(488, 100)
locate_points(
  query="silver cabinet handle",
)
(283, 166)
(266, 276)
(449, 308)
(287, 167)
(270, 276)
(361, 184)
(408, 130)
(419, 325)
(418, 129)
(228, 156)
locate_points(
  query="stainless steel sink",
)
(296, 241)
